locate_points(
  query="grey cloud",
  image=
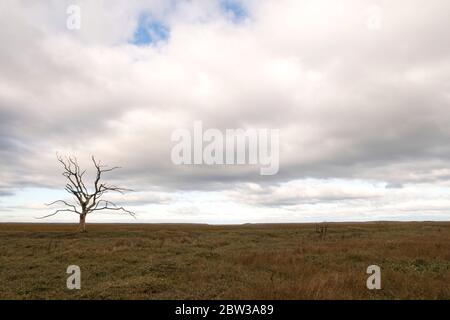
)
(381, 110)
(294, 194)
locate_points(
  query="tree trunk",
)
(82, 222)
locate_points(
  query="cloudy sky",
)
(359, 90)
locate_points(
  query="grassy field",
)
(289, 261)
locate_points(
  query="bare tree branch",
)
(66, 204)
(56, 212)
(109, 205)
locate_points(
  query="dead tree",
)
(86, 201)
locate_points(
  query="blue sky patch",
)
(234, 9)
(149, 31)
